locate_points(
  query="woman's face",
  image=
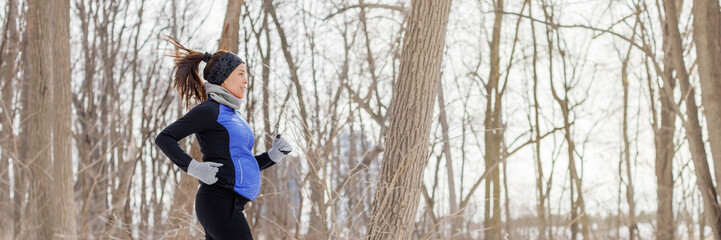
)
(237, 81)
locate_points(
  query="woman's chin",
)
(238, 95)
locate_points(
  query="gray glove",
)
(280, 149)
(204, 171)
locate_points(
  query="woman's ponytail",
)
(185, 73)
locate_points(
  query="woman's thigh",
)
(221, 218)
(241, 229)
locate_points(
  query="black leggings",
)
(220, 212)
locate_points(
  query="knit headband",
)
(222, 68)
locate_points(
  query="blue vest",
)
(240, 144)
(224, 137)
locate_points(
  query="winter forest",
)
(420, 119)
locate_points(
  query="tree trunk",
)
(626, 155)
(22, 185)
(318, 225)
(8, 56)
(663, 143)
(62, 187)
(691, 123)
(184, 197)
(276, 207)
(542, 194)
(87, 139)
(494, 133)
(398, 190)
(231, 26)
(578, 207)
(707, 36)
(455, 215)
(41, 218)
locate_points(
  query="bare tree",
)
(691, 119)
(407, 141)
(48, 68)
(276, 222)
(93, 106)
(318, 220)
(663, 129)
(9, 49)
(578, 205)
(493, 136)
(452, 200)
(626, 152)
(331, 96)
(62, 189)
(706, 34)
(543, 192)
(231, 26)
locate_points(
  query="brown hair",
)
(185, 72)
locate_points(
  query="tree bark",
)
(493, 136)
(398, 190)
(541, 190)
(663, 137)
(41, 218)
(20, 169)
(231, 26)
(8, 57)
(663, 143)
(62, 187)
(707, 36)
(691, 123)
(626, 154)
(456, 217)
(578, 207)
(184, 197)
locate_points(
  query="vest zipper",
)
(241, 170)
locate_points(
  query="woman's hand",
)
(280, 149)
(204, 171)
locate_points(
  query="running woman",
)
(229, 174)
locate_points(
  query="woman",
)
(229, 174)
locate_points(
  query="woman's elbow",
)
(161, 139)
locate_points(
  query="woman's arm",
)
(280, 149)
(264, 161)
(197, 119)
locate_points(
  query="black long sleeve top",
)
(225, 137)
